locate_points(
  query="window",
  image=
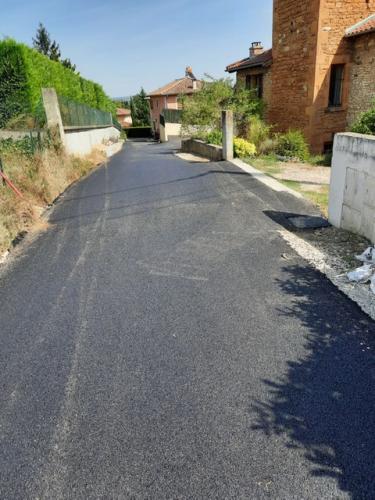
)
(152, 104)
(255, 82)
(258, 85)
(336, 85)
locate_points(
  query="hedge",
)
(24, 72)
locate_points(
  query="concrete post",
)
(227, 125)
(52, 109)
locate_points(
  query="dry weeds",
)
(41, 178)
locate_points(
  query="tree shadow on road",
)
(325, 404)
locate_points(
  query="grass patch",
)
(271, 166)
(268, 164)
(318, 198)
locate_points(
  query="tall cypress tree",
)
(43, 44)
(42, 41)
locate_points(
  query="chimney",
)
(189, 73)
(256, 49)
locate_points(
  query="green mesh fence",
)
(76, 115)
(172, 115)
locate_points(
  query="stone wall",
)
(267, 81)
(352, 190)
(308, 37)
(362, 76)
(294, 43)
(335, 16)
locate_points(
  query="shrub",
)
(24, 72)
(268, 146)
(203, 109)
(243, 148)
(257, 131)
(292, 144)
(214, 137)
(365, 123)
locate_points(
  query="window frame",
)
(336, 86)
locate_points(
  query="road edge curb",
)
(264, 178)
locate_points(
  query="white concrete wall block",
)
(83, 142)
(352, 190)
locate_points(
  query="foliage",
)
(243, 148)
(202, 110)
(27, 146)
(292, 144)
(140, 109)
(366, 122)
(268, 146)
(214, 137)
(257, 131)
(43, 44)
(24, 72)
(122, 103)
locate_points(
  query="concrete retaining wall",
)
(82, 142)
(352, 191)
(210, 151)
(17, 135)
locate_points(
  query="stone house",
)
(167, 97)
(320, 74)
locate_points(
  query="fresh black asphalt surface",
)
(161, 341)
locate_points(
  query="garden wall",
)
(352, 191)
(195, 146)
(83, 142)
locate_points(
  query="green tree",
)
(43, 44)
(68, 64)
(140, 109)
(202, 111)
(42, 41)
(54, 52)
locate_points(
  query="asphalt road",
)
(156, 344)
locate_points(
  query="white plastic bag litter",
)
(362, 274)
(367, 256)
(372, 286)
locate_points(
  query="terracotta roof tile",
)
(177, 87)
(365, 26)
(263, 59)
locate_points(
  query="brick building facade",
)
(320, 73)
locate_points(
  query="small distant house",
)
(167, 97)
(124, 117)
(320, 73)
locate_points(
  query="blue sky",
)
(126, 44)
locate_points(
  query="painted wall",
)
(352, 190)
(170, 129)
(83, 142)
(157, 104)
